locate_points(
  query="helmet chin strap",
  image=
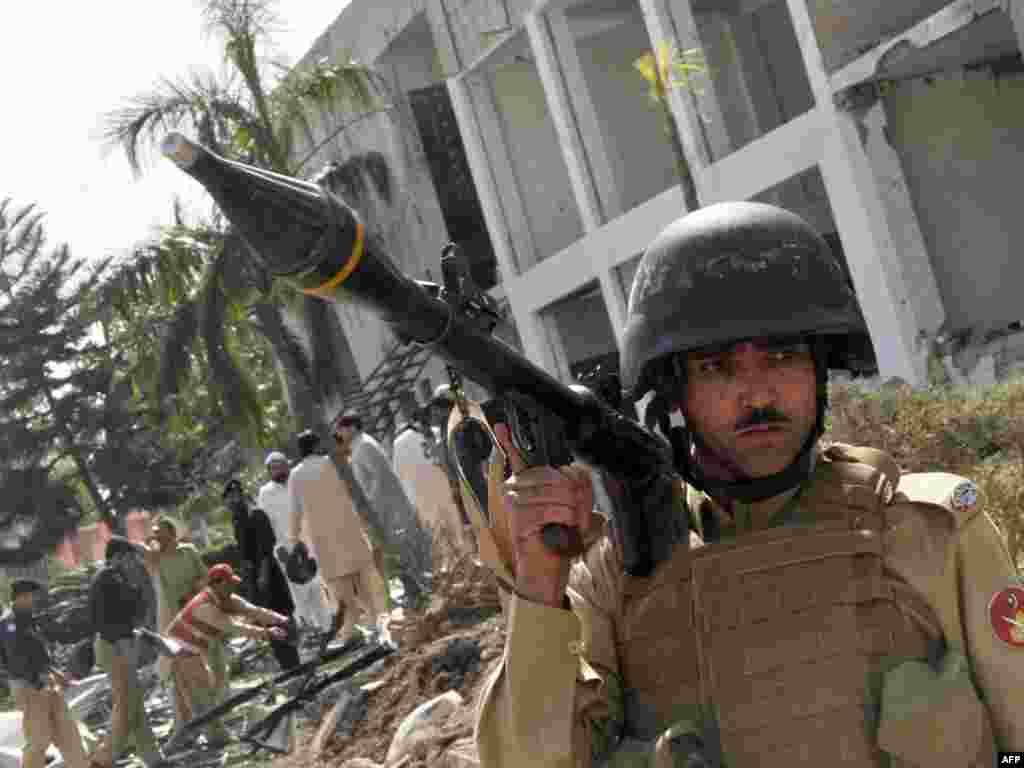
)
(748, 490)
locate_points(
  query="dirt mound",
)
(452, 645)
(457, 662)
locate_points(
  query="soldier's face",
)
(754, 403)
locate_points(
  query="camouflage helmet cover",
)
(735, 271)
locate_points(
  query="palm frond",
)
(202, 105)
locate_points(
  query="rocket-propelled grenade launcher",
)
(306, 235)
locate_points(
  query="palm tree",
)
(241, 117)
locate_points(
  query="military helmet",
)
(735, 271)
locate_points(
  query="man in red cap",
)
(213, 614)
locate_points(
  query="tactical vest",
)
(778, 638)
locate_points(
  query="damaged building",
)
(523, 129)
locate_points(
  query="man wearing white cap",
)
(310, 605)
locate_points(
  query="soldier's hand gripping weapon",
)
(306, 235)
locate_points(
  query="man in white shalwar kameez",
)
(310, 604)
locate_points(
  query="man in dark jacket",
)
(235, 500)
(117, 607)
(270, 586)
(38, 688)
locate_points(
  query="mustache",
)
(760, 417)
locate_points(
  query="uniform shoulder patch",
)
(956, 494)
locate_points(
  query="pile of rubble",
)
(415, 709)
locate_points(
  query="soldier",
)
(843, 613)
(38, 688)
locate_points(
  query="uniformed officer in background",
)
(38, 688)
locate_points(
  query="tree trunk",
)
(682, 166)
(106, 512)
(294, 367)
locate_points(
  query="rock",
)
(462, 655)
(340, 720)
(352, 708)
(423, 725)
(461, 754)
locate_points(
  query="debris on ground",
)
(445, 654)
(415, 706)
(423, 725)
(456, 663)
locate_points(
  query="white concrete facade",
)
(570, 188)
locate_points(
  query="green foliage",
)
(667, 68)
(977, 433)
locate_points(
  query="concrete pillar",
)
(536, 339)
(556, 91)
(595, 143)
(698, 111)
(487, 153)
(615, 303)
(483, 177)
(683, 103)
(875, 219)
(444, 37)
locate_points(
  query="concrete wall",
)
(638, 149)
(964, 176)
(536, 157)
(765, 140)
(847, 28)
(582, 328)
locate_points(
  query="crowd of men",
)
(310, 508)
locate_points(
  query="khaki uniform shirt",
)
(177, 573)
(561, 698)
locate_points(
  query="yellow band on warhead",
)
(326, 289)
